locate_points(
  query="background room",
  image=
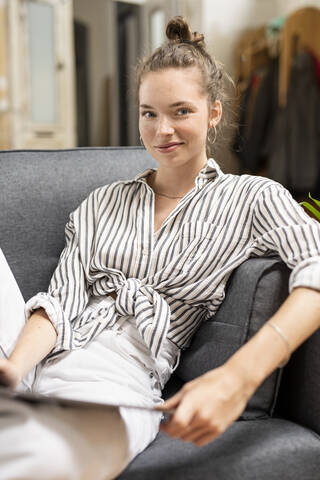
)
(66, 76)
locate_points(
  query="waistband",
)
(169, 358)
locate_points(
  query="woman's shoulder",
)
(100, 196)
(254, 184)
(105, 191)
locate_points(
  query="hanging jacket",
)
(293, 143)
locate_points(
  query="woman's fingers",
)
(4, 374)
(173, 401)
(192, 434)
(190, 419)
(181, 419)
(207, 406)
(176, 425)
(9, 376)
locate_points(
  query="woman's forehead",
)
(171, 74)
(171, 84)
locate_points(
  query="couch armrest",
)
(300, 387)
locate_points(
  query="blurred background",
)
(66, 76)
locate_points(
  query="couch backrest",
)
(38, 190)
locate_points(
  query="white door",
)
(42, 72)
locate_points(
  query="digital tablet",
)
(37, 398)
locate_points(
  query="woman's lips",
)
(168, 147)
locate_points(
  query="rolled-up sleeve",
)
(281, 225)
(67, 294)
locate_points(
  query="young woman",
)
(145, 262)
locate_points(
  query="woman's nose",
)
(165, 127)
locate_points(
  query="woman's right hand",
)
(9, 374)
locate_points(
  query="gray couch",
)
(277, 437)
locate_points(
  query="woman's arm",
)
(68, 291)
(50, 315)
(36, 340)
(208, 405)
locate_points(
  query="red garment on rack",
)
(316, 62)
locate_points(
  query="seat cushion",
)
(269, 449)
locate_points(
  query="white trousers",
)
(51, 442)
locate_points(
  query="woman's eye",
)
(183, 111)
(148, 114)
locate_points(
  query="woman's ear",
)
(215, 113)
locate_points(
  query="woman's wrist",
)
(36, 340)
(258, 358)
(245, 377)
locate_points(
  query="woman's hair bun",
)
(179, 31)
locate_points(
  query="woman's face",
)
(174, 116)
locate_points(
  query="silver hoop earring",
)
(141, 141)
(211, 139)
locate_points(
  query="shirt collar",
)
(142, 176)
(209, 172)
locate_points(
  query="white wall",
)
(287, 6)
(223, 21)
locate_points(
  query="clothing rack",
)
(301, 32)
(251, 53)
(278, 75)
(255, 50)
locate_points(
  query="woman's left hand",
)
(207, 406)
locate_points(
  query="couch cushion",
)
(240, 316)
(269, 449)
(38, 190)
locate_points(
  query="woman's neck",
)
(174, 182)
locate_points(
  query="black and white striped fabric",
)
(173, 279)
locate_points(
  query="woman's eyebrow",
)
(179, 104)
(175, 104)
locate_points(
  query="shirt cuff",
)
(306, 274)
(56, 316)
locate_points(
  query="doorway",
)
(129, 30)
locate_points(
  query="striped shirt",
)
(171, 280)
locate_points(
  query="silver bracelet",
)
(284, 338)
